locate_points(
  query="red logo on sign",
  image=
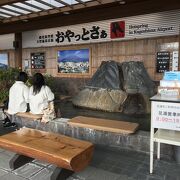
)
(117, 29)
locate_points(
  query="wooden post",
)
(18, 50)
(179, 51)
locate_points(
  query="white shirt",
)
(40, 101)
(18, 98)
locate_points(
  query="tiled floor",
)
(106, 165)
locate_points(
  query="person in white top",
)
(18, 95)
(40, 95)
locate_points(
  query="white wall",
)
(6, 41)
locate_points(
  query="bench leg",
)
(18, 161)
(61, 174)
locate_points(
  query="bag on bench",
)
(6, 121)
(48, 113)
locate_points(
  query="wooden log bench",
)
(104, 124)
(27, 115)
(71, 154)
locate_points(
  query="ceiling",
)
(15, 10)
(24, 15)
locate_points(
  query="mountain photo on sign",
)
(73, 61)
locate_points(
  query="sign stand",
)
(165, 116)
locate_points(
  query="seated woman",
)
(41, 98)
(18, 97)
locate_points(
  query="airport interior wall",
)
(144, 50)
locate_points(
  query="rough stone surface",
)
(111, 78)
(137, 104)
(102, 99)
(107, 76)
(136, 79)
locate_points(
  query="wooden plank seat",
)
(63, 151)
(27, 115)
(104, 124)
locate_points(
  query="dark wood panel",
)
(18, 50)
(4, 2)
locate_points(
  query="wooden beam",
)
(179, 51)
(5, 2)
(99, 1)
(18, 50)
(85, 15)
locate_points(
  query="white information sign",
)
(166, 115)
(142, 26)
(175, 57)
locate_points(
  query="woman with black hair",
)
(40, 97)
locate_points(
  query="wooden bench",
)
(104, 124)
(63, 151)
(27, 115)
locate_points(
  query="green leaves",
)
(7, 78)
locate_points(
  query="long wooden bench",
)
(63, 151)
(27, 115)
(104, 124)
